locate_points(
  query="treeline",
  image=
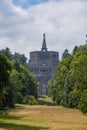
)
(17, 84)
(68, 87)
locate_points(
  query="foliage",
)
(7, 53)
(45, 101)
(65, 53)
(20, 58)
(58, 85)
(23, 82)
(16, 81)
(30, 100)
(82, 105)
(70, 80)
(19, 97)
(5, 68)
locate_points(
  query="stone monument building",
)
(43, 64)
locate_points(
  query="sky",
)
(23, 22)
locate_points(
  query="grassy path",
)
(43, 118)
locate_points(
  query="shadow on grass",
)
(9, 117)
(20, 127)
(13, 126)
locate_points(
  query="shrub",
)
(83, 102)
(28, 99)
(19, 98)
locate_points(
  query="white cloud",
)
(64, 22)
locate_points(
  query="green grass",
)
(45, 101)
(44, 117)
(8, 122)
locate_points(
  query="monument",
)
(43, 64)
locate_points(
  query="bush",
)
(74, 97)
(83, 102)
(28, 99)
(19, 98)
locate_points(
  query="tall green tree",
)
(58, 86)
(78, 75)
(5, 69)
(65, 54)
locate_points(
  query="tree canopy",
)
(69, 85)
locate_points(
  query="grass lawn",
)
(42, 117)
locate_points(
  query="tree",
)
(29, 82)
(22, 83)
(75, 49)
(20, 58)
(7, 53)
(65, 54)
(78, 76)
(14, 88)
(58, 86)
(5, 69)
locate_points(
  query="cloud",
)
(63, 21)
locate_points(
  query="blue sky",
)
(23, 22)
(26, 3)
